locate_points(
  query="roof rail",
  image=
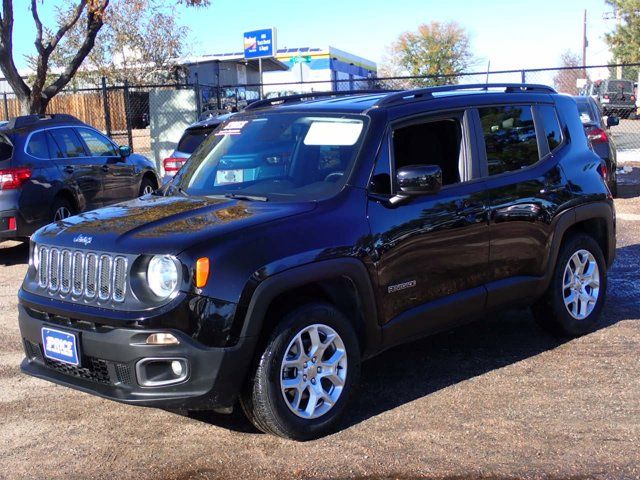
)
(423, 93)
(26, 120)
(272, 102)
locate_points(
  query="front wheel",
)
(305, 375)
(573, 302)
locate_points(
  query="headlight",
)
(162, 275)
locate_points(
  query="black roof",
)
(361, 100)
(43, 120)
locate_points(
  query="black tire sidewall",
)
(565, 321)
(145, 182)
(61, 202)
(286, 422)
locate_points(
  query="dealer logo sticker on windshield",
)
(232, 128)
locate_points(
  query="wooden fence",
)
(87, 106)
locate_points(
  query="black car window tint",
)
(380, 182)
(98, 145)
(551, 126)
(37, 146)
(431, 143)
(192, 140)
(6, 148)
(510, 138)
(67, 142)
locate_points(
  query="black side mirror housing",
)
(612, 121)
(125, 150)
(419, 180)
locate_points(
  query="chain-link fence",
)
(152, 118)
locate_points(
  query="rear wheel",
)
(573, 302)
(305, 375)
(146, 186)
(61, 209)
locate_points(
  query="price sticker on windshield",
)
(232, 128)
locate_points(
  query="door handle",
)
(105, 168)
(68, 169)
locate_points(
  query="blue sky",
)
(512, 34)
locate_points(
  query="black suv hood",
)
(154, 224)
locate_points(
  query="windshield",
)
(278, 156)
(585, 112)
(615, 86)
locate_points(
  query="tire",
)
(61, 209)
(146, 186)
(551, 312)
(270, 406)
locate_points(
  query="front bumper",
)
(108, 365)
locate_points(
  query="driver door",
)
(431, 252)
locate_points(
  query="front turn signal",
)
(202, 272)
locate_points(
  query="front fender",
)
(260, 295)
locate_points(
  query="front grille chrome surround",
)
(92, 277)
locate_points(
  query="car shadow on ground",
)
(420, 368)
(14, 253)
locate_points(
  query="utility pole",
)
(585, 44)
(618, 23)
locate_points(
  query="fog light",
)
(176, 367)
(162, 339)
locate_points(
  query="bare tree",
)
(139, 42)
(89, 14)
(566, 79)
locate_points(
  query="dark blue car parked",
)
(55, 166)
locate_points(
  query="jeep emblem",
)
(84, 239)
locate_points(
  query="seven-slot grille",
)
(82, 274)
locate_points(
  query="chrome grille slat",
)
(80, 275)
(43, 267)
(65, 272)
(119, 278)
(91, 271)
(54, 270)
(104, 277)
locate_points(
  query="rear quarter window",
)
(37, 146)
(6, 148)
(551, 125)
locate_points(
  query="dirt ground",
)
(497, 399)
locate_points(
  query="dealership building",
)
(321, 69)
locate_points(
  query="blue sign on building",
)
(260, 43)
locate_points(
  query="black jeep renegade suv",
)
(307, 234)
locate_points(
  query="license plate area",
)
(60, 346)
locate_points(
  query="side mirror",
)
(419, 180)
(612, 121)
(125, 150)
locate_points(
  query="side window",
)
(37, 146)
(436, 142)
(510, 137)
(98, 145)
(66, 143)
(551, 125)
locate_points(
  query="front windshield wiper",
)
(251, 198)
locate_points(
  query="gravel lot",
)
(496, 399)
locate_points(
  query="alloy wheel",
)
(147, 190)
(61, 213)
(313, 371)
(581, 284)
